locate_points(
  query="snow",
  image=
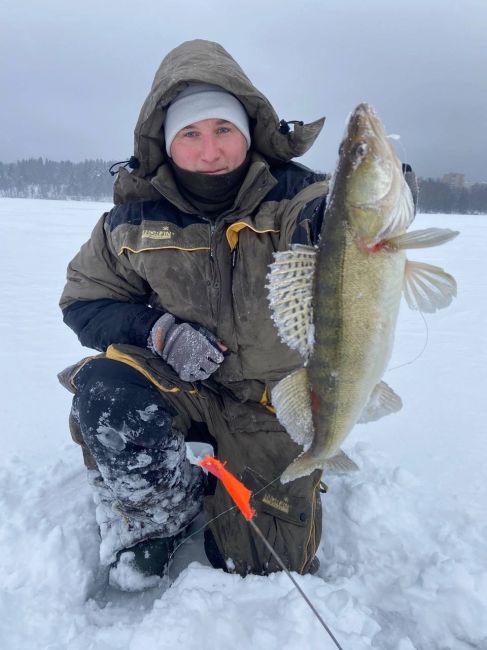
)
(403, 557)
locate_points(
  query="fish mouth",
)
(369, 158)
(371, 181)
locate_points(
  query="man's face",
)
(209, 147)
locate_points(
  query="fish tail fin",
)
(302, 466)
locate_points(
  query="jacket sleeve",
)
(104, 300)
(302, 216)
(309, 221)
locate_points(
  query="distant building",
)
(454, 180)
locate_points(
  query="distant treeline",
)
(437, 195)
(39, 178)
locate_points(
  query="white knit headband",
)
(200, 102)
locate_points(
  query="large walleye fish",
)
(338, 303)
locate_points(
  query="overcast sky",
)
(74, 74)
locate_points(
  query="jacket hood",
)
(201, 61)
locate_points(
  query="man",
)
(170, 289)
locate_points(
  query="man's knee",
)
(117, 407)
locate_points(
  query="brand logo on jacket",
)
(278, 504)
(164, 233)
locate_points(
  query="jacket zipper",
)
(215, 272)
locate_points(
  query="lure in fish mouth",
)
(338, 303)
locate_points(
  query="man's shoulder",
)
(292, 177)
(136, 212)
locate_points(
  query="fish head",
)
(369, 180)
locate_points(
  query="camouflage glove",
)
(190, 349)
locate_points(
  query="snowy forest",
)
(38, 178)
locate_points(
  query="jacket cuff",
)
(142, 325)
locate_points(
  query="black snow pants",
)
(132, 415)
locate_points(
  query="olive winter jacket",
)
(153, 252)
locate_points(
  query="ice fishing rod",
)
(241, 496)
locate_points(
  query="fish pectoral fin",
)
(382, 401)
(290, 285)
(340, 464)
(428, 288)
(422, 238)
(291, 398)
(402, 214)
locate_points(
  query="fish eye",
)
(360, 149)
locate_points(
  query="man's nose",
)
(210, 150)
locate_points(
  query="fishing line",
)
(295, 583)
(241, 495)
(398, 144)
(418, 356)
(207, 523)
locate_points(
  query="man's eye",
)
(224, 129)
(190, 134)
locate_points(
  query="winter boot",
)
(142, 566)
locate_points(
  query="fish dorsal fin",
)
(291, 398)
(428, 288)
(382, 401)
(422, 238)
(290, 284)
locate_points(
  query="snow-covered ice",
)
(404, 551)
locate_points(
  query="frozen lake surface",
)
(405, 539)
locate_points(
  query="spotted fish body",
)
(356, 314)
(339, 304)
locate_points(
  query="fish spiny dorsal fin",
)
(382, 401)
(422, 238)
(428, 288)
(290, 284)
(291, 398)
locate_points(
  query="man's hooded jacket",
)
(155, 253)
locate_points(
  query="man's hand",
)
(193, 351)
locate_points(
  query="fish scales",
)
(356, 312)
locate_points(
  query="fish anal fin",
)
(340, 464)
(382, 401)
(305, 464)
